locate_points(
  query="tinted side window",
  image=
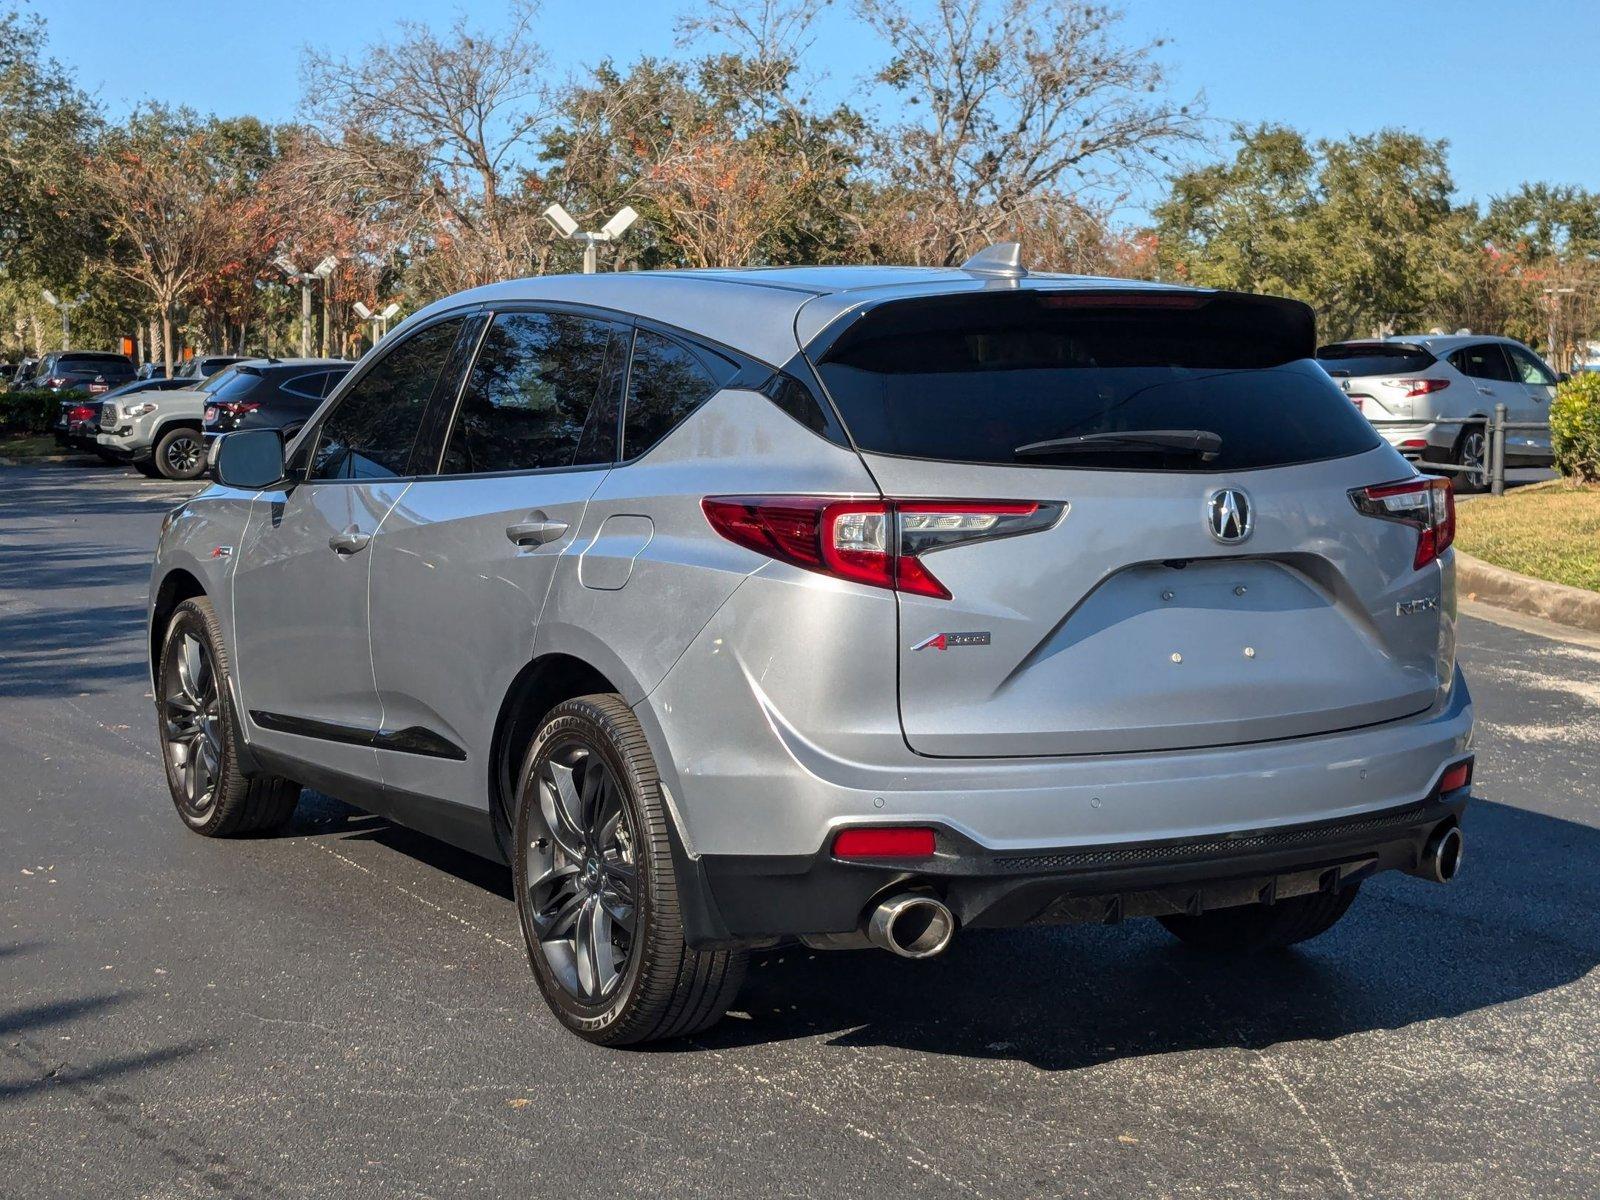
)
(666, 382)
(370, 433)
(307, 387)
(541, 394)
(1528, 368)
(1482, 362)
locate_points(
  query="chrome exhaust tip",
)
(1441, 857)
(911, 925)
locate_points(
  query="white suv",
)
(1433, 382)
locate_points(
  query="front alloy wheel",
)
(201, 747)
(192, 724)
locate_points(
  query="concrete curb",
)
(1489, 584)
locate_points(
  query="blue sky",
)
(1515, 88)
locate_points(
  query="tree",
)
(1363, 229)
(1546, 242)
(725, 171)
(46, 229)
(1018, 103)
(434, 133)
(154, 187)
(48, 233)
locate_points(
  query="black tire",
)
(180, 453)
(194, 710)
(1472, 447)
(663, 988)
(1254, 928)
(146, 467)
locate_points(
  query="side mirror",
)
(1563, 377)
(249, 458)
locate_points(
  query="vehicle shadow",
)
(323, 815)
(1520, 920)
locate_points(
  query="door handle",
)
(535, 533)
(349, 541)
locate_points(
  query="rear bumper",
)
(756, 898)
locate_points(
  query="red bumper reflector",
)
(883, 843)
(1457, 776)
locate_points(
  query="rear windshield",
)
(94, 362)
(1355, 361)
(231, 383)
(974, 378)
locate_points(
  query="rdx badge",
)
(1424, 604)
(944, 641)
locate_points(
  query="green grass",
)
(28, 445)
(1550, 532)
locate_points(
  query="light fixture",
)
(562, 222)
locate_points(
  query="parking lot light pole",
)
(561, 220)
(66, 307)
(380, 320)
(305, 279)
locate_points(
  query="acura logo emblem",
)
(1229, 515)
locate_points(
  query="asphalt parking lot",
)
(345, 1008)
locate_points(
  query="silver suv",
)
(1430, 395)
(862, 606)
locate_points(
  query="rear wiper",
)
(1201, 442)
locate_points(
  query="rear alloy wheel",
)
(1253, 928)
(1472, 453)
(181, 454)
(596, 889)
(200, 743)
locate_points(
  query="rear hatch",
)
(1197, 572)
(1383, 379)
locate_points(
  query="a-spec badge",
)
(947, 641)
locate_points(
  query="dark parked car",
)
(88, 371)
(23, 375)
(78, 423)
(268, 394)
(206, 365)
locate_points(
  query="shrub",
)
(1575, 427)
(32, 411)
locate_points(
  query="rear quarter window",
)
(973, 378)
(666, 382)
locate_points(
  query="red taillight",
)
(1428, 504)
(1418, 387)
(1456, 777)
(1414, 444)
(238, 408)
(884, 843)
(80, 413)
(875, 542)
